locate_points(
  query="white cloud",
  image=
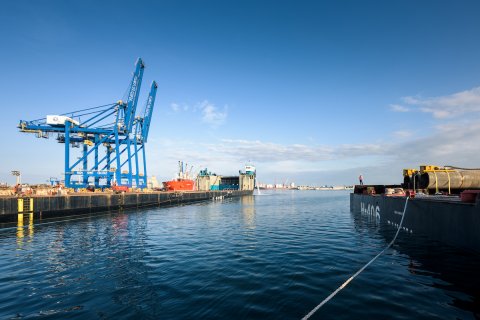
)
(211, 115)
(398, 108)
(402, 134)
(454, 105)
(177, 107)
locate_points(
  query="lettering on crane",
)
(134, 89)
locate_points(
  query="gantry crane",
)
(113, 128)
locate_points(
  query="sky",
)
(310, 92)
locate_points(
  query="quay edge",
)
(441, 219)
(77, 204)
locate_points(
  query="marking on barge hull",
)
(370, 210)
(396, 226)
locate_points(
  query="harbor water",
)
(270, 256)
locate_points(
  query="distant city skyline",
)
(313, 92)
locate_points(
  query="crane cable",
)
(360, 270)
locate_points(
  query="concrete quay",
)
(84, 203)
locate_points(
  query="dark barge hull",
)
(86, 203)
(451, 222)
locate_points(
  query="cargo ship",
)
(208, 181)
(182, 182)
(443, 205)
(179, 185)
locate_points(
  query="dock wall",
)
(49, 206)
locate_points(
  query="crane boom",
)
(147, 116)
(133, 94)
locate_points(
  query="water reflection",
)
(248, 211)
(20, 231)
(452, 269)
(30, 227)
(77, 260)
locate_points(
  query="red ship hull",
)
(179, 185)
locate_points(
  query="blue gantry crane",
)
(113, 128)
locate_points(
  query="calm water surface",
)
(274, 256)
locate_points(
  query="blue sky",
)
(309, 91)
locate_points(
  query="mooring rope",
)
(359, 271)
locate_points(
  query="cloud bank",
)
(450, 138)
(443, 107)
(273, 152)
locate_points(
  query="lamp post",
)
(17, 174)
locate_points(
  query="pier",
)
(84, 203)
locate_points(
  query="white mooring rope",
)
(359, 271)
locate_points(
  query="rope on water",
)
(359, 271)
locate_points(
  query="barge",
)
(442, 212)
